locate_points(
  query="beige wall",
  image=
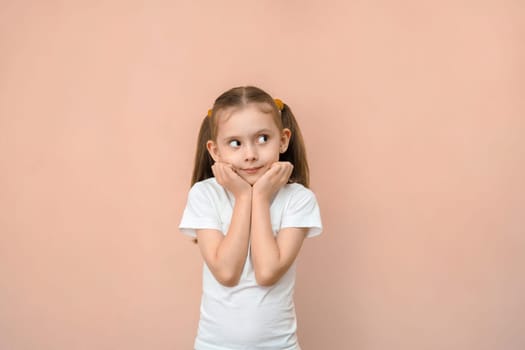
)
(413, 114)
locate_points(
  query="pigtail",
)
(296, 152)
(203, 160)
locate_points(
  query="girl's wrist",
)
(260, 197)
(245, 195)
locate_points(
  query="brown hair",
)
(238, 97)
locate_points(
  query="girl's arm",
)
(225, 255)
(272, 256)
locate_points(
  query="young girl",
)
(249, 209)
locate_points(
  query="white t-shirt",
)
(248, 316)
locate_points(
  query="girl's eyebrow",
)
(261, 131)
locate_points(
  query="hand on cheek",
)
(275, 178)
(229, 179)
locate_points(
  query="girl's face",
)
(249, 140)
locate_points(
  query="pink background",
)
(413, 115)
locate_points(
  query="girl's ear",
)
(212, 150)
(285, 139)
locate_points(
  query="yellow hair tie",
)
(279, 104)
(209, 112)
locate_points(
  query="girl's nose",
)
(250, 153)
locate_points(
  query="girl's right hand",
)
(229, 179)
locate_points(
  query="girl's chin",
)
(252, 177)
(250, 180)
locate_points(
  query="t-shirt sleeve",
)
(200, 212)
(303, 211)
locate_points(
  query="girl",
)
(249, 209)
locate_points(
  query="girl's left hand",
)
(275, 178)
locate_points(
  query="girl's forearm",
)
(233, 249)
(264, 247)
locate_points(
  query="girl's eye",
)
(235, 143)
(262, 139)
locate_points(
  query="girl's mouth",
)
(252, 171)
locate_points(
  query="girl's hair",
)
(239, 97)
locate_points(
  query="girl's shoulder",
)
(208, 188)
(296, 188)
(209, 183)
(296, 191)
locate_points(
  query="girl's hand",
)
(275, 178)
(229, 179)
